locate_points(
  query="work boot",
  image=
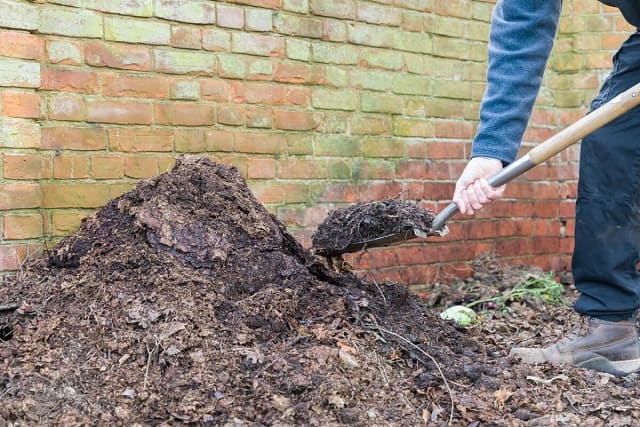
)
(611, 347)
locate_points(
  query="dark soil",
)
(186, 302)
(363, 225)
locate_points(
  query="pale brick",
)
(378, 14)
(380, 103)
(372, 35)
(413, 42)
(259, 20)
(18, 14)
(335, 99)
(56, 195)
(331, 53)
(383, 59)
(298, 49)
(300, 26)
(412, 85)
(19, 133)
(334, 8)
(230, 16)
(122, 7)
(216, 40)
(231, 66)
(179, 62)
(185, 89)
(64, 52)
(16, 73)
(298, 6)
(255, 44)
(137, 31)
(74, 23)
(371, 79)
(192, 11)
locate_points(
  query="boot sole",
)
(618, 369)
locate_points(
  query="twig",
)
(150, 355)
(375, 282)
(444, 379)
(9, 307)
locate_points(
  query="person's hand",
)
(473, 192)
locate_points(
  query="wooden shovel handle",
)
(589, 123)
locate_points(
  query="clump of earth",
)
(185, 302)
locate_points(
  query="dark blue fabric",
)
(607, 242)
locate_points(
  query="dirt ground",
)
(184, 302)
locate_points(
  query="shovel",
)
(542, 152)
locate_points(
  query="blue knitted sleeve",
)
(520, 41)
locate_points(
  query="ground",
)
(184, 302)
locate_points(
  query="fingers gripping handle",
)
(552, 146)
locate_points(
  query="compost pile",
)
(185, 301)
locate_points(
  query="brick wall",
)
(319, 103)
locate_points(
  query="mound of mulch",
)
(185, 302)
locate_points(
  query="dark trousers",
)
(607, 233)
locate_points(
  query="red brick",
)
(140, 166)
(25, 166)
(186, 37)
(259, 118)
(219, 140)
(69, 138)
(120, 112)
(23, 226)
(232, 115)
(297, 73)
(453, 129)
(108, 166)
(185, 114)
(71, 167)
(296, 120)
(261, 168)
(21, 104)
(191, 140)
(118, 85)
(69, 80)
(301, 169)
(18, 44)
(378, 191)
(257, 93)
(215, 90)
(445, 150)
(19, 196)
(139, 140)
(298, 96)
(65, 223)
(112, 55)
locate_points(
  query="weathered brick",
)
(190, 140)
(371, 79)
(372, 35)
(298, 49)
(15, 73)
(64, 223)
(297, 73)
(180, 62)
(259, 69)
(257, 44)
(21, 104)
(231, 115)
(337, 146)
(334, 30)
(219, 140)
(296, 120)
(261, 168)
(20, 196)
(18, 227)
(231, 66)
(457, 8)
(61, 195)
(185, 113)
(412, 85)
(65, 80)
(185, 89)
(335, 99)
(18, 44)
(382, 147)
(257, 93)
(216, 40)
(71, 167)
(370, 124)
(19, 133)
(331, 53)
(137, 31)
(453, 129)
(298, 96)
(140, 166)
(382, 103)
(215, 89)
(73, 23)
(108, 166)
(128, 57)
(186, 37)
(382, 59)
(140, 140)
(260, 143)
(74, 138)
(300, 26)
(412, 127)
(142, 86)
(121, 112)
(230, 16)
(191, 11)
(334, 8)
(142, 8)
(25, 166)
(19, 15)
(64, 52)
(378, 14)
(302, 169)
(259, 20)
(259, 118)
(298, 6)
(456, 89)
